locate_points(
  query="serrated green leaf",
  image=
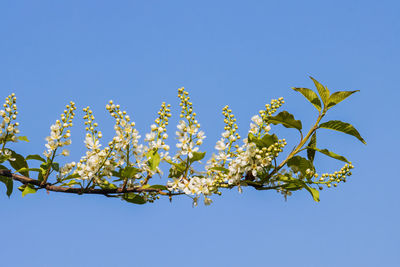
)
(329, 154)
(197, 156)
(129, 172)
(312, 143)
(23, 138)
(310, 95)
(9, 184)
(343, 127)
(322, 91)
(35, 157)
(133, 198)
(18, 163)
(298, 163)
(29, 189)
(338, 97)
(286, 119)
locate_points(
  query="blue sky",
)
(241, 53)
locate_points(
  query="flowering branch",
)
(124, 168)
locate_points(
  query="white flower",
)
(201, 135)
(220, 145)
(182, 126)
(257, 120)
(150, 136)
(65, 152)
(192, 130)
(222, 156)
(90, 143)
(226, 134)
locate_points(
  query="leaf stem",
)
(300, 145)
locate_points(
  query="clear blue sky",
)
(241, 53)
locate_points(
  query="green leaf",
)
(129, 172)
(107, 185)
(117, 173)
(310, 95)
(300, 164)
(19, 163)
(312, 143)
(56, 166)
(177, 169)
(35, 157)
(23, 138)
(267, 140)
(23, 170)
(197, 156)
(29, 189)
(9, 184)
(339, 96)
(291, 183)
(286, 119)
(71, 183)
(314, 192)
(253, 139)
(221, 169)
(158, 186)
(343, 127)
(329, 154)
(322, 91)
(153, 159)
(71, 176)
(133, 198)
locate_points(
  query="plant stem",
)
(300, 145)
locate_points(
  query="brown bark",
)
(64, 189)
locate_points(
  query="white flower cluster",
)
(8, 128)
(126, 139)
(247, 159)
(96, 163)
(188, 134)
(60, 134)
(6, 154)
(189, 137)
(195, 186)
(65, 170)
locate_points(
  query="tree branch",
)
(63, 189)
